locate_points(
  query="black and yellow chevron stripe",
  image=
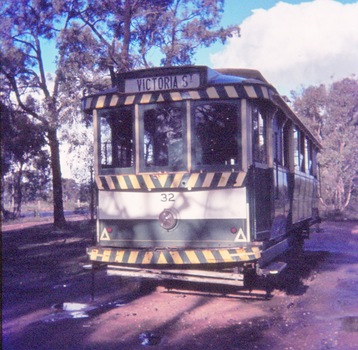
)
(212, 92)
(171, 181)
(173, 257)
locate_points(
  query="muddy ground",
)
(47, 300)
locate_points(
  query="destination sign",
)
(162, 83)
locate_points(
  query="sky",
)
(294, 44)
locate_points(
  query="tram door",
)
(262, 189)
(280, 148)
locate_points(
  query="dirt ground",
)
(47, 300)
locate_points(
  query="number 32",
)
(167, 197)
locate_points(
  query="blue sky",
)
(235, 11)
(293, 43)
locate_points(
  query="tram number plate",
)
(167, 197)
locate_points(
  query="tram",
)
(203, 175)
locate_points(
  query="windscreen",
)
(163, 137)
(216, 134)
(116, 138)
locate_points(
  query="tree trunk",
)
(18, 191)
(126, 36)
(58, 212)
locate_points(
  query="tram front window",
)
(216, 131)
(163, 139)
(116, 138)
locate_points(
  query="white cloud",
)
(296, 45)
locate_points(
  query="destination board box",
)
(163, 79)
(162, 83)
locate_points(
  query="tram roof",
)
(162, 83)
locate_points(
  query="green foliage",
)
(332, 113)
(70, 190)
(26, 26)
(24, 156)
(129, 32)
(187, 25)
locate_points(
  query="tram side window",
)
(299, 150)
(314, 161)
(278, 140)
(217, 134)
(281, 141)
(309, 156)
(286, 144)
(259, 136)
(163, 137)
(116, 138)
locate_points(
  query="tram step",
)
(274, 268)
(203, 276)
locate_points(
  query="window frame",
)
(143, 168)
(239, 156)
(299, 150)
(262, 111)
(114, 169)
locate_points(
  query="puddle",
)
(64, 311)
(149, 339)
(350, 323)
(77, 310)
(68, 310)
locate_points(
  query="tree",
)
(332, 113)
(26, 26)
(188, 25)
(70, 189)
(23, 156)
(129, 31)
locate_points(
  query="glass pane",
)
(259, 136)
(163, 137)
(116, 135)
(216, 130)
(302, 152)
(299, 150)
(308, 157)
(277, 140)
(286, 141)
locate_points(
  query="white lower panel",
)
(213, 204)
